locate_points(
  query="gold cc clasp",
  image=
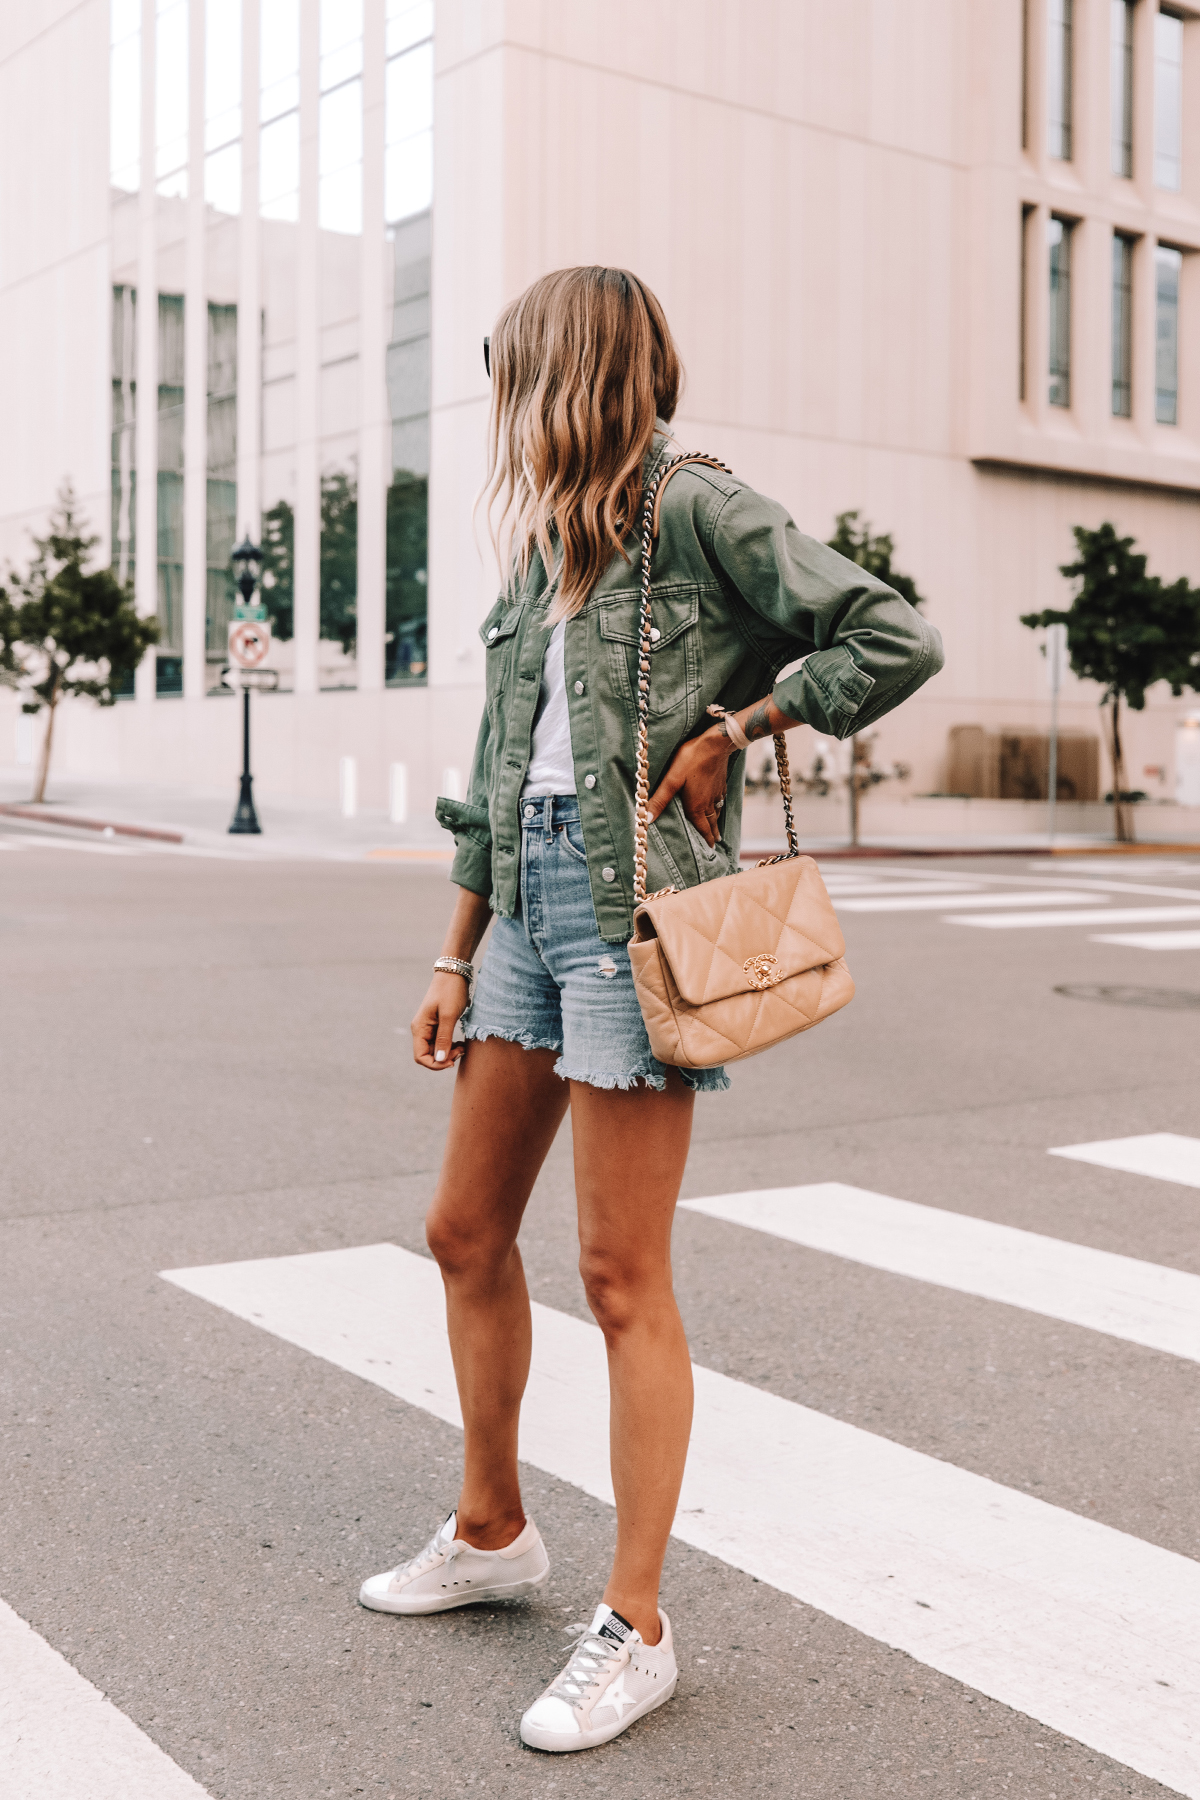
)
(763, 970)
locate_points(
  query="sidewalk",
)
(199, 818)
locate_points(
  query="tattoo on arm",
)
(757, 722)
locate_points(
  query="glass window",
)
(170, 493)
(1168, 101)
(125, 95)
(1168, 265)
(1060, 312)
(124, 434)
(340, 192)
(1121, 85)
(1122, 326)
(222, 472)
(278, 58)
(171, 97)
(1058, 78)
(408, 170)
(408, 378)
(278, 104)
(341, 42)
(223, 105)
(1023, 325)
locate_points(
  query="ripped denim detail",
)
(526, 1039)
(701, 1081)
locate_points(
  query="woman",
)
(585, 376)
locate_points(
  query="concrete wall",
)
(827, 199)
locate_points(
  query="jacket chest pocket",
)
(676, 663)
(498, 633)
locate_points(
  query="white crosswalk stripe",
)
(1151, 940)
(62, 1739)
(1115, 915)
(1083, 1627)
(1141, 1302)
(927, 903)
(1165, 1155)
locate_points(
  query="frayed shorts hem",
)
(702, 1081)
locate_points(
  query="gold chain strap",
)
(642, 806)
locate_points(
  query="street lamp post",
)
(246, 560)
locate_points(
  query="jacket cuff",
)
(472, 828)
(472, 867)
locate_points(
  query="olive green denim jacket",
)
(738, 593)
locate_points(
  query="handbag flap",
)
(744, 932)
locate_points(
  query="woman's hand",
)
(446, 998)
(433, 1028)
(698, 771)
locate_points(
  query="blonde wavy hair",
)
(582, 364)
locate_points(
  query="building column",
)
(307, 563)
(374, 433)
(146, 425)
(249, 337)
(195, 377)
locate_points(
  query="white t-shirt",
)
(551, 764)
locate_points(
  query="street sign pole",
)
(245, 819)
(249, 642)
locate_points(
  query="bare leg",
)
(508, 1104)
(630, 1150)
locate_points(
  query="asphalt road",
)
(207, 1061)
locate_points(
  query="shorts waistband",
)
(548, 810)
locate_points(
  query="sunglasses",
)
(487, 356)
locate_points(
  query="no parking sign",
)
(249, 642)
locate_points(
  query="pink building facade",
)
(929, 260)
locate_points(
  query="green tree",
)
(1126, 630)
(873, 553)
(73, 631)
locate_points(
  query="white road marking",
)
(926, 903)
(1142, 1302)
(1083, 1627)
(1151, 940)
(886, 890)
(1163, 1154)
(1116, 915)
(62, 1739)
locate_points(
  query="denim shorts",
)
(550, 982)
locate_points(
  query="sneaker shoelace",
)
(590, 1656)
(435, 1551)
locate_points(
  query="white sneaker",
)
(612, 1679)
(450, 1572)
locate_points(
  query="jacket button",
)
(579, 687)
(589, 781)
(655, 634)
(493, 633)
(608, 874)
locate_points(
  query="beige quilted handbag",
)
(730, 967)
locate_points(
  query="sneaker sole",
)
(436, 1603)
(558, 1742)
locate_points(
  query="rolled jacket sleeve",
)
(865, 648)
(470, 821)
